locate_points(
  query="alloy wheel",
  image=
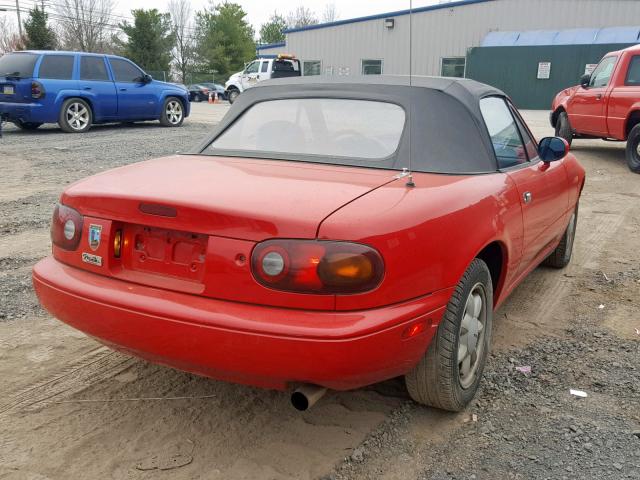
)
(77, 116)
(174, 112)
(471, 335)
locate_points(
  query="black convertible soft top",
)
(447, 130)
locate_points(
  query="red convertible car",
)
(329, 234)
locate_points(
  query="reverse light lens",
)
(69, 229)
(315, 266)
(66, 227)
(273, 264)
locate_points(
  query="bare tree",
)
(183, 52)
(9, 38)
(301, 17)
(85, 24)
(330, 13)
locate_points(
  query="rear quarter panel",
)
(429, 234)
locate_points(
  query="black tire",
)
(75, 124)
(437, 380)
(563, 127)
(27, 125)
(233, 95)
(561, 256)
(172, 114)
(198, 98)
(633, 149)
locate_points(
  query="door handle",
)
(123, 89)
(87, 88)
(598, 96)
(527, 197)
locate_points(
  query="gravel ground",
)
(574, 328)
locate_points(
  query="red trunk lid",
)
(230, 197)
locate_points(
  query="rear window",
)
(93, 68)
(334, 128)
(633, 74)
(57, 67)
(17, 64)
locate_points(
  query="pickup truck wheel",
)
(233, 95)
(75, 116)
(27, 125)
(561, 256)
(563, 127)
(633, 149)
(449, 373)
(172, 113)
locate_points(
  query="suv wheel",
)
(633, 149)
(563, 127)
(75, 116)
(172, 113)
(233, 95)
(27, 125)
(449, 373)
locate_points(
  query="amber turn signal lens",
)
(345, 269)
(117, 243)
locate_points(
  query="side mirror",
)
(551, 149)
(585, 80)
(146, 78)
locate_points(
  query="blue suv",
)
(77, 90)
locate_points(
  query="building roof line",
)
(397, 13)
(265, 46)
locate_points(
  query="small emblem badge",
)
(92, 259)
(94, 236)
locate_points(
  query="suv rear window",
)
(17, 64)
(327, 127)
(57, 67)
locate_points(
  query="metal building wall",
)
(448, 32)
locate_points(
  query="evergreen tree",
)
(150, 39)
(37, 34)
(273, 30)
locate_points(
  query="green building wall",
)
(514, 70)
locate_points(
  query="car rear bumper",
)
(250, 344)
(23, 112)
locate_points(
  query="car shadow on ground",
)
(54, 129)
(609, 153)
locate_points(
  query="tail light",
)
(37, 90)
(316, 266)
(66, 227)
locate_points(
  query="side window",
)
(58, 67)
(601, 75)
(503, 132)
(530, 144)
(124, 71)
(264, 67)
(93, 68)
(252, 67)
(633, 74)
(371, 67)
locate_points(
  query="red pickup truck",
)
(605, 105)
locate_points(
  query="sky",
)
(259, 11)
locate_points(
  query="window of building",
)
(633, 74)
(125, 71)
(93, 68)
(601, 75)
(503, 131)
(372, 67)
(59, 67)
(311, 67)
(452, 67)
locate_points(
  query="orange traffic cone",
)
(210, 98)
(215, 97)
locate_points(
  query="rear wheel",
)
(233, 95)
(633, 149)
(563, 127)
(27, 125)
(172, 113)
(449, 373)
(75, 116)
(561, 256)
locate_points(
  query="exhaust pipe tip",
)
(306, 396)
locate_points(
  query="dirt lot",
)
(72, 409)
